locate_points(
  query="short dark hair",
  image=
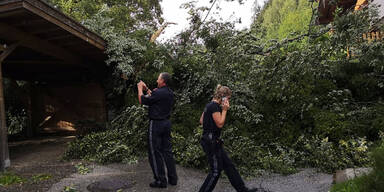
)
(166, 77)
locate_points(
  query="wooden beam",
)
(27, 21)
(8, 6)
(7, 51)
(58, 37)
(38, 44)
(45, 30)
(37, 62)
(59, 19)
(4, 152)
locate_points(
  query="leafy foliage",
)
(128, 15)
(311, 100)
(371, 182)
(9, 178)
(82, 169)
(16, 113)
(123, 142)
(281, 18)
(16, 121)
(40, 177)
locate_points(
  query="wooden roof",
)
(51, 45)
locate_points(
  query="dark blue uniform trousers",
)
(218, 161)
(160, 150)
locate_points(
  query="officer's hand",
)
(141, 85)
(225, 105)
(149, 92)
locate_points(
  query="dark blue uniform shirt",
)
(209, 125)
(160, 103)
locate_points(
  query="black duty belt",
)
(211, 136)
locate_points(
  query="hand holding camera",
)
(149, 92)
(142, 85)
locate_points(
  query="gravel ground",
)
(139, 175)
(43, 157)
(35, 157)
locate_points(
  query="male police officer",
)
(160, 103)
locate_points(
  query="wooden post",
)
(4, 153)
(373, 34)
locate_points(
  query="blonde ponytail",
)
(218, 88)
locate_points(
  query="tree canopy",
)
(280, 18)
(127, 15)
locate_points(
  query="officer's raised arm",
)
(140, 87)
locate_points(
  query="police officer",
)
(160, 103)
(213, 119)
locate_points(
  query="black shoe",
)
(172, 183)
(158, 184)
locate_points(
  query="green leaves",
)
(9, 178)
(128, 16)
(82, 169)
(40, 177)
(125, 141)
(280, 18)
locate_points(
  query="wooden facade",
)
(61, 58)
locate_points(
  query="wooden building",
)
(61, 59)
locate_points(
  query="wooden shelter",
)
(62, 60)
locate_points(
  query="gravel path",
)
(35, 157)
(138, 176)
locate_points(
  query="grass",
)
(365, 183)
(8, 178)
(349, 186)
(40, 177)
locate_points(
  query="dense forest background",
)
(304, 95)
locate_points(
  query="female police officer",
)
(213, 119)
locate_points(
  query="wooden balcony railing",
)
(374, 36)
